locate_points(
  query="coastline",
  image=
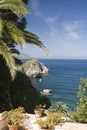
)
(63, 79)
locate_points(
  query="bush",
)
(80, 115)
(14, 116)
(50, 121)
(59, 107)
(20, 92)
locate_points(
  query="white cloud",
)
(51, 20)
(74, 35)
(35, 7)
(72, 30)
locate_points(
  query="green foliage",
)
(55, 117)
(82, 88)
(19, 92)
(34, 40)
(45, 124)
(16, 6)
(22, 87)
(5, 77)
(59, 107)
(8, 57)
(40, 107)
(29, 96)
(51, 120)
(44, 101)
(80, 115)
(12, 30)
(14, 116)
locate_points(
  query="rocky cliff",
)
(34, 68)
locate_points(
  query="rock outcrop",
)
(34, 68)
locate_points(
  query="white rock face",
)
(34, 68)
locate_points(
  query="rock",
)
(34, 68)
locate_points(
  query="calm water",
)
(63, 79)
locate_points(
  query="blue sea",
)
(64, 79)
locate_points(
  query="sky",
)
(61, 25)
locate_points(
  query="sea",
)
(63, 79)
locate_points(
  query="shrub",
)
(51, 120)
(59, 107)
(20, 92)
(14, 116)
(80, 115)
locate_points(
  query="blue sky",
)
(61, 25)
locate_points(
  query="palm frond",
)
(16, 34)
(18, 61)
(1, 27)
(16, 6)
(12, 32)
(14, 51)
(34, 39)
(8, 57)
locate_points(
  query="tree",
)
(12, 18)
(80, 115)
(12, 32)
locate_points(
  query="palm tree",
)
(11, 33)
(16, 6)
(59, 107)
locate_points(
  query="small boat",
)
(47, 92)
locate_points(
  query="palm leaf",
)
(1, 27)
(16, 6)
(12, 32)
(17, 61)
(34, 39)
(16, 34)
(8, 57)
(14, 51)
